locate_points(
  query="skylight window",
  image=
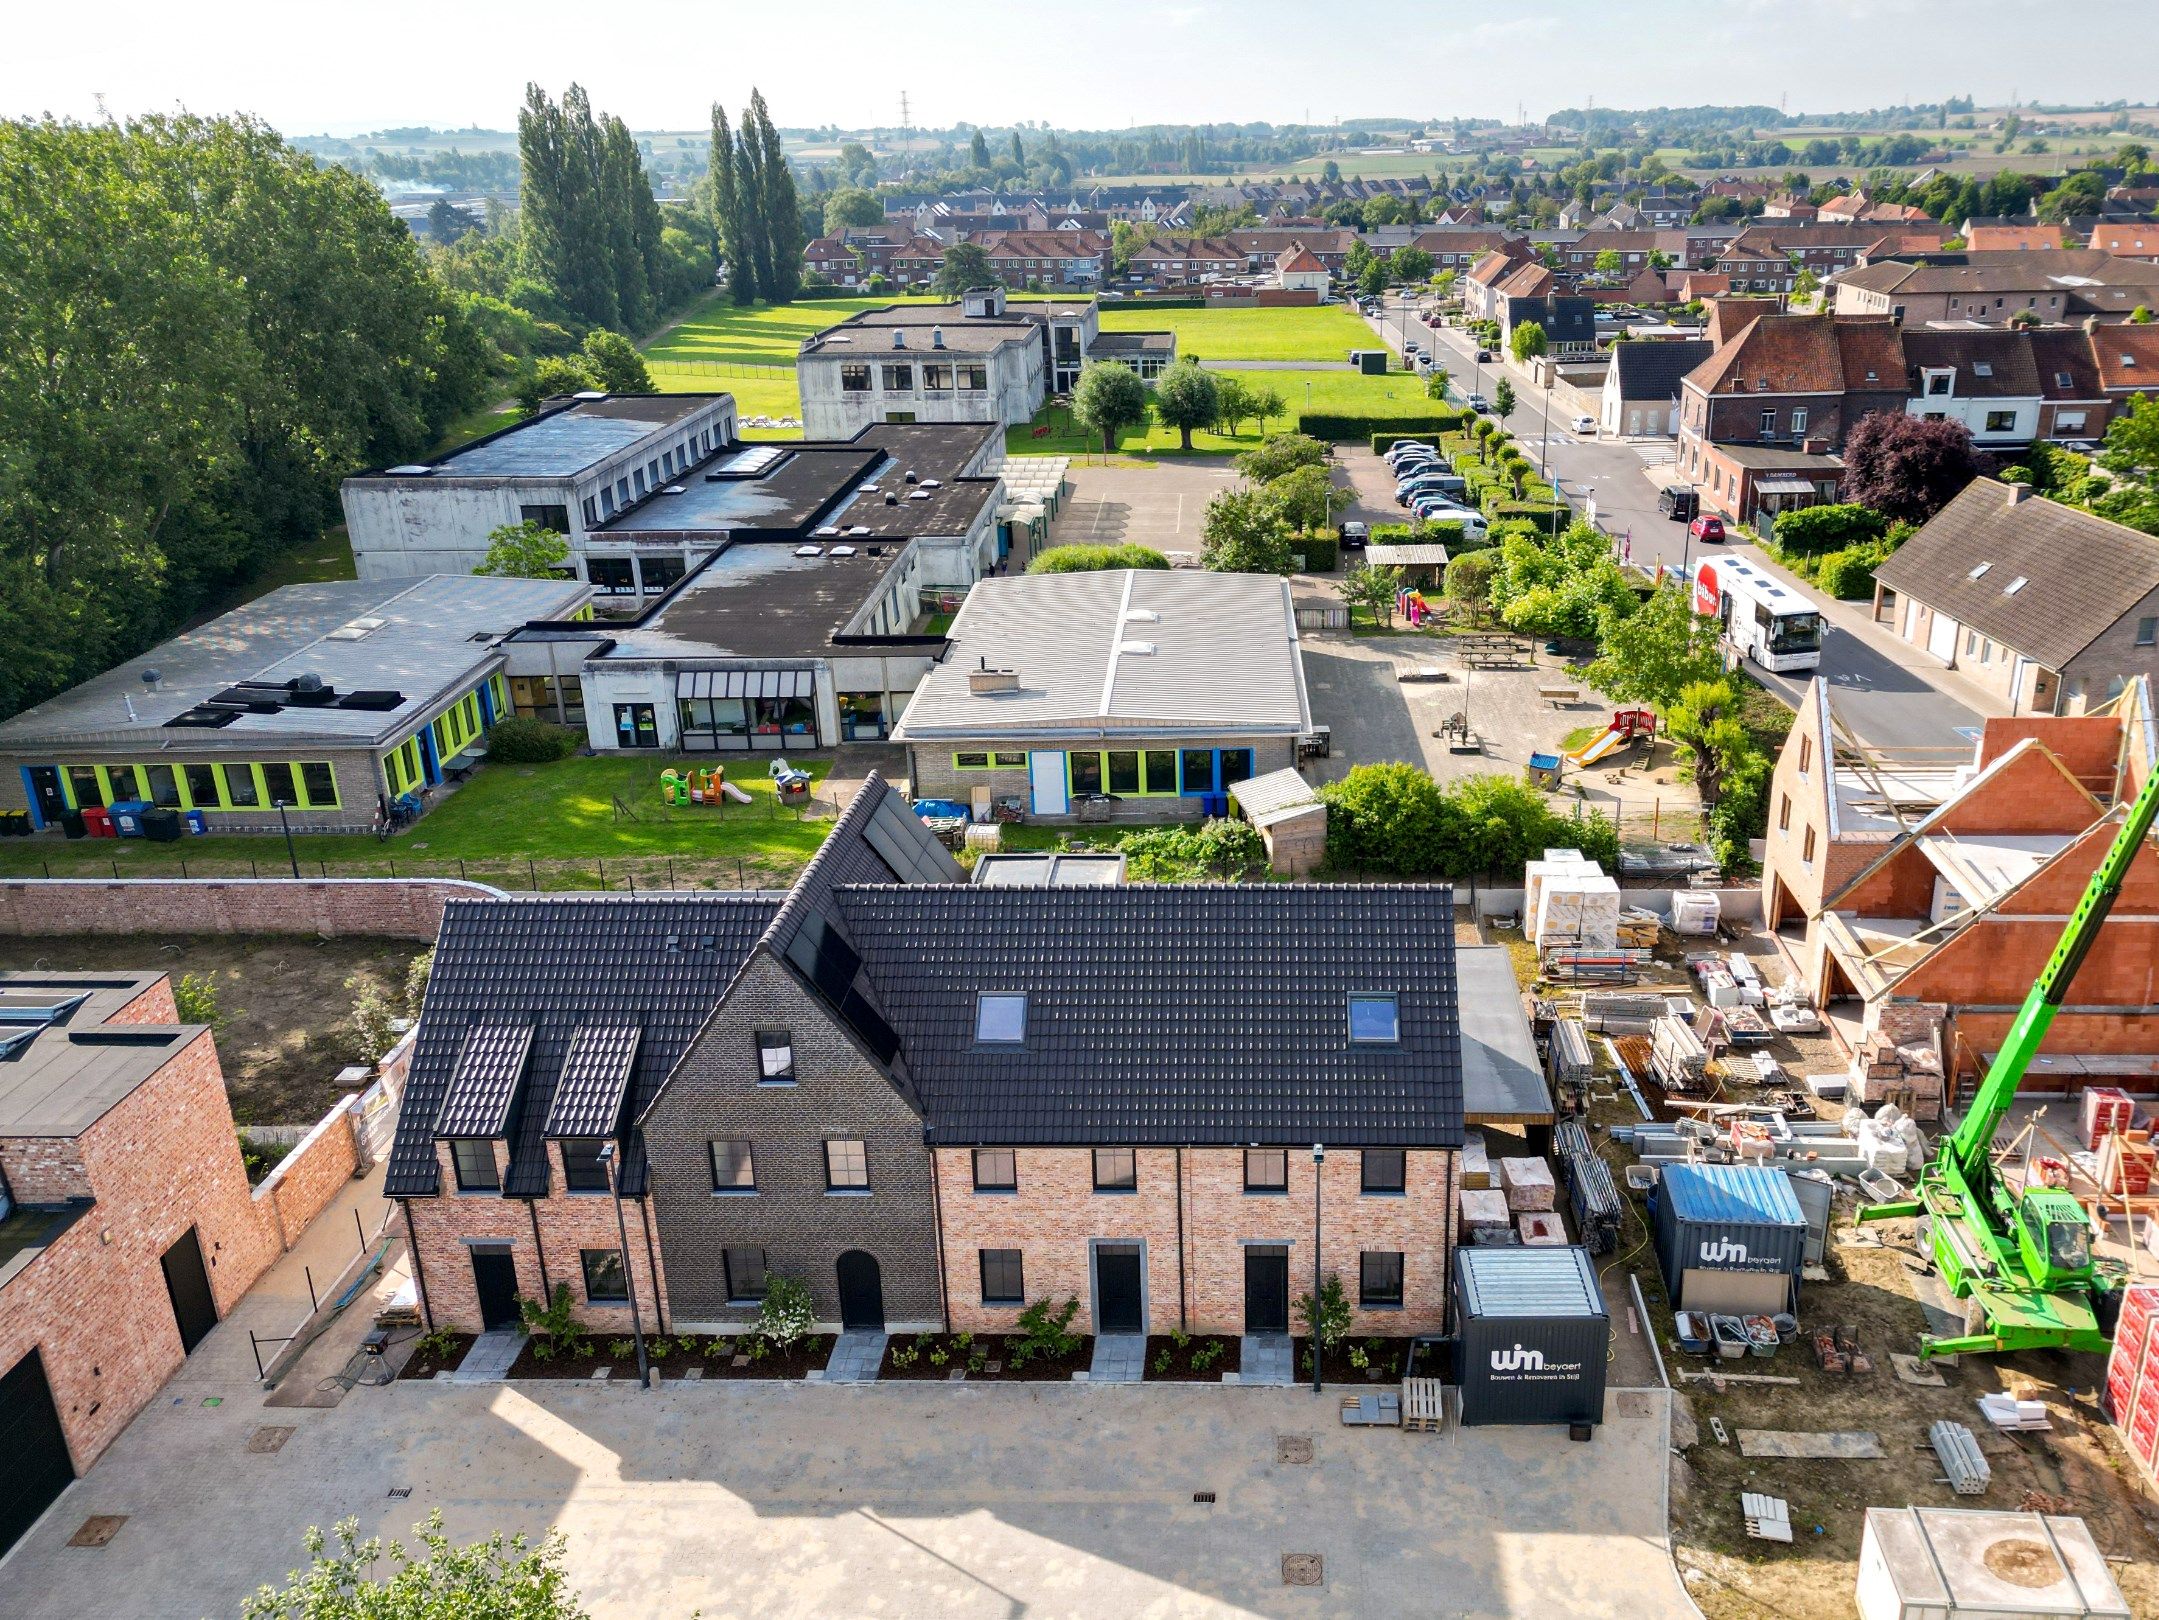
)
(2014, 586)
(1976, 572)
(1374, 1020)
(1000, 1018)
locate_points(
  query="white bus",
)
(1764, 619)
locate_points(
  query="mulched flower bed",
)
(422, 1365)
(1386, 1358)
(1192, 1365)
(673, 1356)
(915, 1360)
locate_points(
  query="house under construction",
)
(1922, 894)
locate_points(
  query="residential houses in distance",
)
(1994, 288)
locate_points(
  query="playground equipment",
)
(1416, 609)
(2022, 1257)
(793, 784)
(1627, 727)
(694, 785)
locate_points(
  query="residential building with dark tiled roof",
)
(935, 1102)
(1994, 288)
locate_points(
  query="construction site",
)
(1881, 1170)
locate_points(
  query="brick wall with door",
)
(163, 1161)
(777, 1210)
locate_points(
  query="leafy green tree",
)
(1469, 582)
(1019, 152)
(851, 205)
(1374, 590)
(1109, 398)
(615, 364)
(2141, 315)
(1185, 397)
(2132, 441)
(1503, 396)
(730, 213)
(1326, 1320)
(963, 265)
(978, 151)
(1124, 239)
(1266, 402)
(1410, 265)
(1435, 383)
(1653, 654)
(1308, 498)
(501, 1578)
(1245, 533)
(1284, 453)
(1805, 285)
(1608, 262)
(524, 551)
(1232, 403)
(782, 235)
(550, 377)
(787, 1312)
(1527, 343)
(1373, 281)
(1705, 718)
(1562, 587)
(619, 179)
(1357, 260)
(753, 246)
(1390, 818)
(1076, 559)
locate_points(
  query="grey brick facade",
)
(839, 1093)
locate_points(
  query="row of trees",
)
(201, 331)
(1109, 398)
(589, 227)
(754, 207)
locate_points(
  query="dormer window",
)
(475, 1160)
(1001, 1018)
(1374, 1020)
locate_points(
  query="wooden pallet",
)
(1768, 1517)
(1424, 1405)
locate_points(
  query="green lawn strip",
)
(503, 818)
(1318, 332)
(1396, 396)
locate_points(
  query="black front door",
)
(494, 1275)
(1117, 1306)
(51, 801)
(1266, 1288)
(38, 1467)
(189, 1285)
(862, 1292)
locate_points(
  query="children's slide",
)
(734, 792)
(1612, 737)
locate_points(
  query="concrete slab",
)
(1119, 1358)
(855, 1358)
(897, 1500)
(1265, 1359)
(1159, 504)
(490, 1357)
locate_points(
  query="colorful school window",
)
(989, 762)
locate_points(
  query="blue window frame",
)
(1212, 770)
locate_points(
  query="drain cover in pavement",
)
(400, 1493)
(1292, 1448)
(270, 1439)
(98, 1529)
(1302, 1569)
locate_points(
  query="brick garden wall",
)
(388, 908)
(95, 1303)
(310, 1176)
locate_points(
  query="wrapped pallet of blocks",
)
(1528, 1185)
(1476, 1163)
(1487, 1208)
(1577, 909)
(1536, 873)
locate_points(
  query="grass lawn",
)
(757, 392)
(720, 332)
(1323, 332)
(1398, 396)
(560, 818)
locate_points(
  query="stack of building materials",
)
(1589, 1187)
(1476, 1163)
(2130, 1395)
(1566, 1056)
(1570, 904)
(1543, 1229)
(1528, 1185)
(1694, 911)
(1485, 1208)
(2126, 1160)
(1620, 1012)
(2106, 1109)
(1639, 929)
(1908, 1075)
(1536, 873)
(1961, 1457)
(1678, 1056)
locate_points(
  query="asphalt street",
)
(1889, 695)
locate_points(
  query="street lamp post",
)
(285, 822)
(1319, 1157)
(610, 1158)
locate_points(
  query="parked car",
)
(1408, 466)
(1477, 402)
(1708, 530)
(1473, 525)
(1585, 424)
(1438, 481)
(1408, 448)
(1484, 357)
(1354, 536)
(1678, 502)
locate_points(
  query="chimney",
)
(986, 679)
(899, 337)
(2018, 493)
(937, 337)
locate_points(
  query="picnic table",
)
(1496, 652)
(1559, 696)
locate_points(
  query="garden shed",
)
(1292, 822)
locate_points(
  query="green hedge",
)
(1322, 425)
(1383, 442)
(1815, 530)
(1848, 575)
(1322, 552)
(1154, 303)
(1548, 517)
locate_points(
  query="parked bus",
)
(1764, 619)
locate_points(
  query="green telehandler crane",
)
(2022, 1260)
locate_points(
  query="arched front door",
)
(862, 1292)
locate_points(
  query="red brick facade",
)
(95, 1304)
(386, 908)
(1192, 1212)
(311, 1175)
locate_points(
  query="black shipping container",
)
(1534, 1336)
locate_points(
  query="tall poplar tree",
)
(780, 206)
(979, 151)
(756, 242)
(727, 210)
(621, 177)
(589, 287)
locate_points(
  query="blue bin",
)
(127, 816)
(1214, 804)
(198, 822)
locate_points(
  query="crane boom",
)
(1968, 1148)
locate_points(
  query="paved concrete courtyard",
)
(881, 1499)
(1161, 504)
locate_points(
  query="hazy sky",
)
(331, 66)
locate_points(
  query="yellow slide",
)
(1605, 742)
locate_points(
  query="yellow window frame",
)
(307, 799)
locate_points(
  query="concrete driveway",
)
(1162, 504)
(885, 1499)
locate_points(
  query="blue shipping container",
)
(1726, 1218)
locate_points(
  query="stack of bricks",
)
(1900, 1061)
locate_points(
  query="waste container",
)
(162, 826)
(97, 821)
(14, 824)
(72, 824)
(127, 816)
(198, 822)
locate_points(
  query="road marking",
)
(1180, 515)
(1100, 506)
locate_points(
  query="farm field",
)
(1327, 332)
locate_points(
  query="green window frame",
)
(1093, 767)
(1158, 769)
(318, 784)
(280, 782)
(252, 797)
(198, 786)
(1120, 771)
(122, 783)
(80, 777)
(164, 783)
(977, 759)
